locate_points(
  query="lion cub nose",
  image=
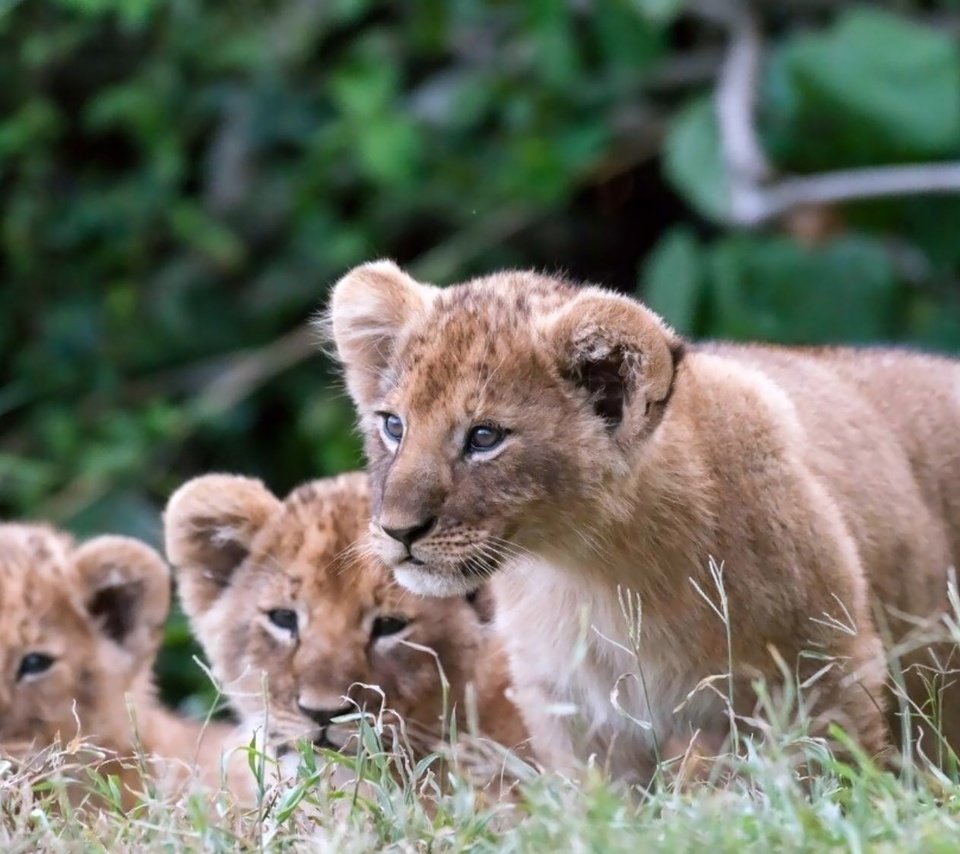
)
(408, 536)
(324, 717)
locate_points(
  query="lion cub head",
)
(286, 590)
(499, 414)
(79, 627)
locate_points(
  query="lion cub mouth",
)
(443, 579)
(322, 740)
(474, 569)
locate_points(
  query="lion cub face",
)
(78, 626)
(496, 412)
(286, 590)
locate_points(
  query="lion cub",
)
(287, 591)
(79, 629)
(566, 440)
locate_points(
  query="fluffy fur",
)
(242, 555)
(94, 615)
(825, 482)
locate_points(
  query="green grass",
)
(779, 790)
(760, 802)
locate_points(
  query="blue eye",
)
(283, 618)
(393, 426)
(33, 664)
(484, 438)
(384, 626)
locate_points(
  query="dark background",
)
(181, 182)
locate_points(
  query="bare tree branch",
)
(249, 371)
(755, 197)
(735, 97)
(848, 185)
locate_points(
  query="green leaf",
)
(774, 289)
(553, 39)
(629, 41)
(134, 13)
(388, 149)
(290, 801)
(932, 322)
(211, 238)
(873, 88)
(673, 279)
(365, 86)
(659, 11)
(693, 161)
(32, 126)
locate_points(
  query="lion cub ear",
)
(209, 525)
(619, 355)
(125, 587)
(369, 309)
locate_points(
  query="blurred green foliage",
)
(181, 182)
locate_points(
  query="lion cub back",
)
(880, 427)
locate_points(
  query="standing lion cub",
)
(284, 597)
(79, 629)
(566, 436)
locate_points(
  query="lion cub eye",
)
(392, 427)
(33, 664)
(384, 626)
(483, 437)
(283, 618)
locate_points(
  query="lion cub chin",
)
(648, 500)
(79, 628)
(307, 630)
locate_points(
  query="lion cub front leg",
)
(551, 731)
(849, 692)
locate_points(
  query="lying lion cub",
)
(79, 628)
(567, 435)
(285, 590)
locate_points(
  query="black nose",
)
(408, 536)
(323, 717)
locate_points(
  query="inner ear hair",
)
(620, 356)
(606, 382)
(125, 591)
(369, 307)
(216, 540)
(209, 525)
(117, 608)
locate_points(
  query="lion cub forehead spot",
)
(483, 329)
(36, 586)
(42, 548)
(481, 313)
(513, 291)
(464, 368)
(316, 543)
(35, 569)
